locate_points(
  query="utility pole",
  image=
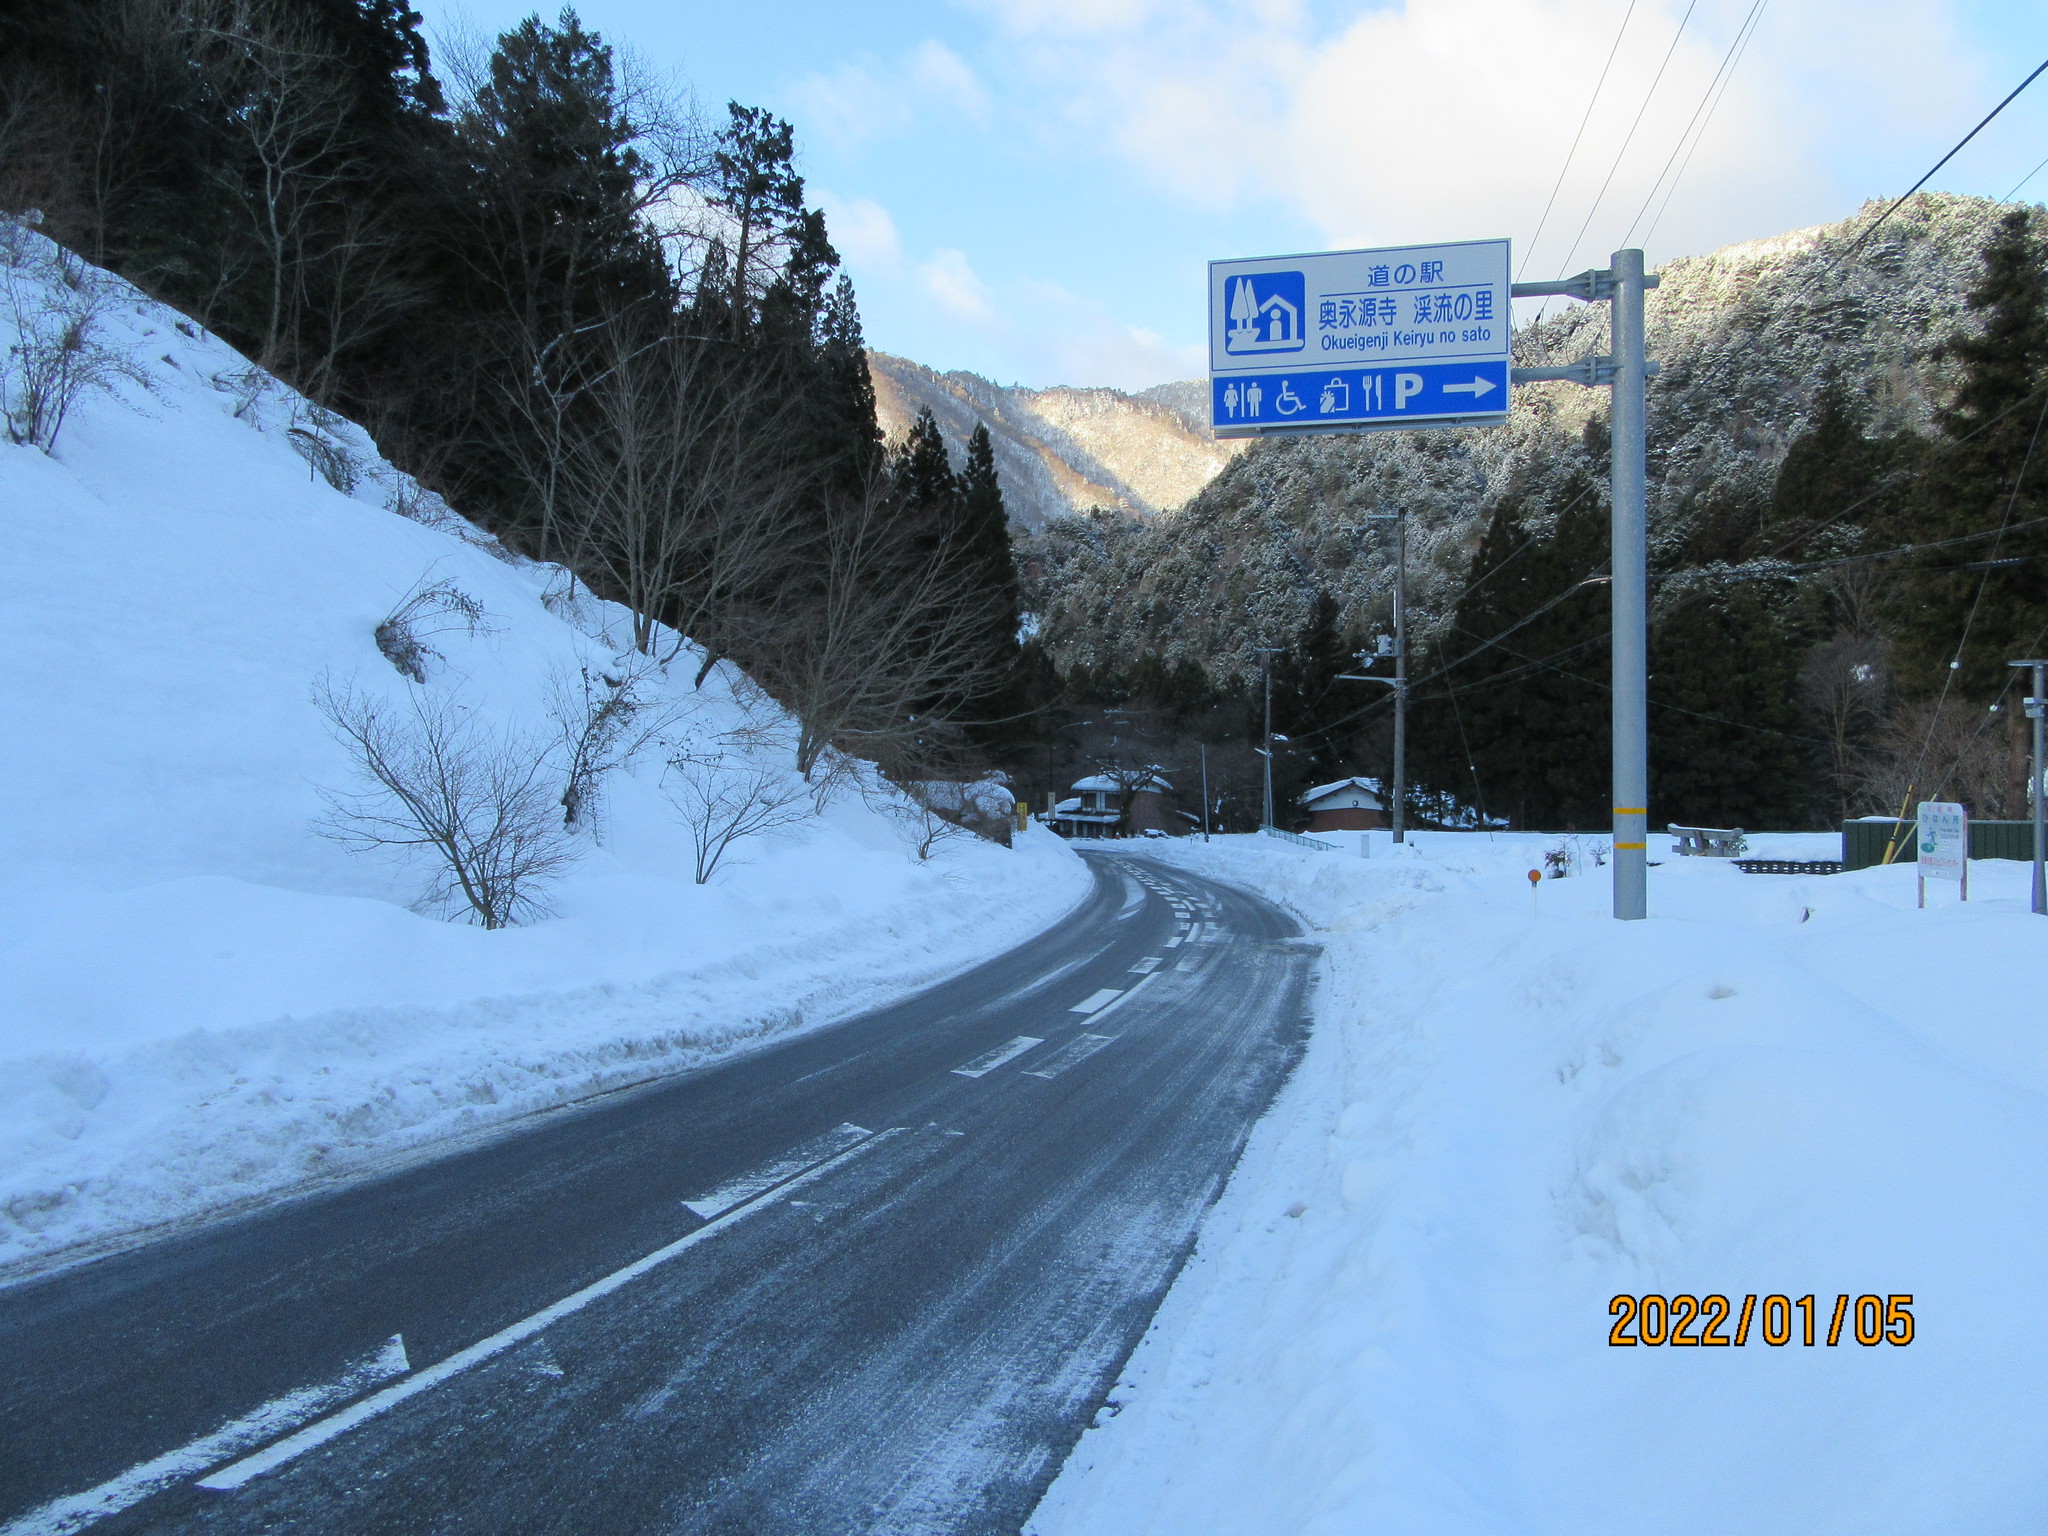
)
(1400, 679)
(1205, 791)
(1269, 652)
(1623, 285)
(2037, 785)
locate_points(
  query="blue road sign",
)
(1411, 336)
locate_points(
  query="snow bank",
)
(1513, 1110)
(201, 999)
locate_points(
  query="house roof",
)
(1101, 782)
(1368, 787)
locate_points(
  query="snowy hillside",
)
(1064, 450)
(203, 996)
(1515, 1110)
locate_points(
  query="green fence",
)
(1864, 842)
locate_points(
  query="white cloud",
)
(868, 99)
(1438, 119)
(951, 281)
(862, 232)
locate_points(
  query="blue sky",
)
(1030, 188)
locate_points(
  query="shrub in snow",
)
(726, 796)
(480, 808)
(326, 458)
(402, 634)
(53, 302)
(605, 721)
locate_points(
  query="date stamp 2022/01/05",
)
(1654, 1319)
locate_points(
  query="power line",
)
(1591, 102)
(1944, 160)
(2015, 192)
(1712, 94)
(1629, 137)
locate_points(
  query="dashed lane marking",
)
(988, 1061)
(1080, 1048)
(1098, 1002)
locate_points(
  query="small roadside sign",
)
(1944, 837)
(1401, 336)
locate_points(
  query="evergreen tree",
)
(1958, 607)
(1525, 655)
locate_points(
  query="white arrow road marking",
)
(988, 1061)
(775, 1170)
(321, 1431)
(1478, 387)
(76, 1511)
(1077, 1049)
(1096, 1003)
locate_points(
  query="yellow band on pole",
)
(1631, 845)
(1630, 810)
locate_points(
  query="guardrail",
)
(1295, 837)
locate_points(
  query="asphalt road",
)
(876, 1278)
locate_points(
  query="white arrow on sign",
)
(1475, 389)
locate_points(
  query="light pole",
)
(1622, 285)
(1205, 790)
(2037, 711)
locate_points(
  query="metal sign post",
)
(1623, 284)
(2037, 785)
(1419, 336)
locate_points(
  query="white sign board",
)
(1405, 336)
(1944, 836)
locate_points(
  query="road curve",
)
(875, 1278)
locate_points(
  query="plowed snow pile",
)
(201, 998)
(1512, 1112)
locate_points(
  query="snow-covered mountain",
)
(1064, 450)
(202, 997)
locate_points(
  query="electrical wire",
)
(1944, 160)
(1628, 138)
(1591, 102)
(2015, 192)
(1712, 94)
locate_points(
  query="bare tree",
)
(1842, 684)
(606, 719)
(54, 303)
(725, 797)
(480, 808)
(876, 642)
(285, 94)
(683, 488)
(1948, 750)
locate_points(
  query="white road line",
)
(1149, 963)
(1077, 1049)
(988, 1061)
(749, 1184)
(1174, 942)
(324, 1430)
(1105, 1012)
(1191, 963)
(76, 1511)
(1101, 999)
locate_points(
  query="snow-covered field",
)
(1513, 1110)
(203, 1000)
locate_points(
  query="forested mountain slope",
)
(1064, 450)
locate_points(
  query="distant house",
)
(1349, 805)
(1102, 806)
